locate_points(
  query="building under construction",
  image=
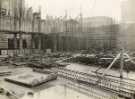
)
(23, 29)
(63, 57)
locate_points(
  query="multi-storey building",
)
(24, 29)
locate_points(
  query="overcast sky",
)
(89, 7)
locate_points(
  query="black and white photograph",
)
(67, 49)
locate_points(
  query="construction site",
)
(65, 57)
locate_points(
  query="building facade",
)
(98, 33)
(24, 29)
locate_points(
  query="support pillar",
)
(61, 44)
(32, 46)
(121, 63)
(55, 43)
(32, 42)
(20, 44)
(87, 43)
(15, 44)
(40, 42)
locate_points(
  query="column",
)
(39, 42)
(55, 43)
(15, 44)
(20, 44)
(32, 46)
(32, 42)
